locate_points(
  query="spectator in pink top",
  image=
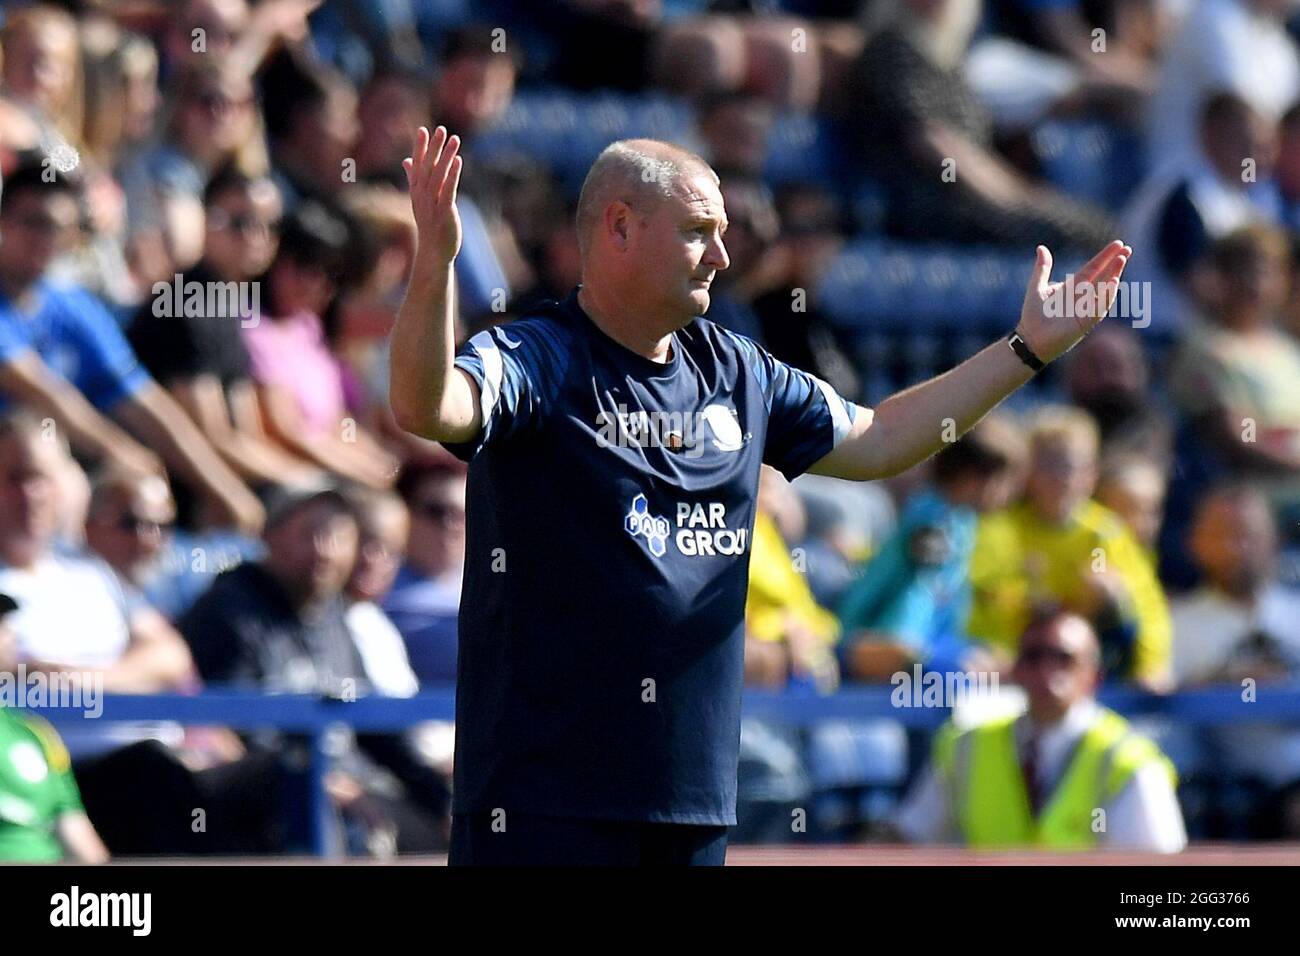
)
(300, 383)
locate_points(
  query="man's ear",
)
(618, 223)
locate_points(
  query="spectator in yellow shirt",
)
(1133, 486)
(789, 637)
(1057, 545)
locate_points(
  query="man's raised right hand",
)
(433, 174)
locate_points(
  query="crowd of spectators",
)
(204, 239)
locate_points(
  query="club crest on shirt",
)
(716, 426)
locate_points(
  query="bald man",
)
(615, 440)
(128, 523)
(1067, 774)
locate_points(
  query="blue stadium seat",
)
(857, 753)
(567, 130)
(1091, 160)
(884, 284)
(992, 282)
(858, 770)
(350, 39)
(869, 202)
(804, 148)
(435, 17)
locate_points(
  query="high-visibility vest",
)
(986, 789)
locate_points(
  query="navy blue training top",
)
(610, 506)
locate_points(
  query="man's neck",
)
(1057, 518)
(1245, 323)
(303, 602)
(961, 494)
(15, 290)
(1042, 722)
(1228, 178)
(301, 167)
(432, 568)
(22, 556)
(625, 327)
(1046, 722)
(1245, 594)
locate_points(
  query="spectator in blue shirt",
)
(911, 603)
(63, 354)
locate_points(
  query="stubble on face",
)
(685, 248)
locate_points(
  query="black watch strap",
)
(1025, 353)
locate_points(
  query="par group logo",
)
(640, 523)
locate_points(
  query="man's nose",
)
(717, 255)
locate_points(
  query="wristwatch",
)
(1025, 353)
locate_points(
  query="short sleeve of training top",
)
(516, 368)
(807, 418)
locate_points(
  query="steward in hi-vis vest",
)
(991, 799)
(1067, 774)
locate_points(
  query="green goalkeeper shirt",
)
(36, 788)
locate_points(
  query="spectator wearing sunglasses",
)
(75, 613)
(76, 621)
(213, 122)
(425, 597)
(1067, 774)
(201, 359)
(130, 524)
